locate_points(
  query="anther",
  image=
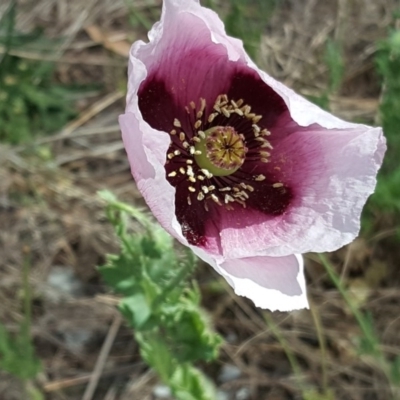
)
(212, 117)
(177, 152)
(182, 170)
(191, 189)
(266, 144)
(197, 124)
(196, 139)
(202, 104)
(277, 185)
(265, 132)
(204, 189)
(201, 134)
(256, 128)
(172, 174)
(215, 198)
(181, 136)
(225, 112)
(207, 173)
(173, 132)
(259, 178)
(228, 199)
(250, 188)
(200, 196)
(177, 123)
(257, 119)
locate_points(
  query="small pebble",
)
(243, 394)
(229, 372)
(162, 392)
(62, 284)
(222, 395)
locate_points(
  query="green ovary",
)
(222, 151)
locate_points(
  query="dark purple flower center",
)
(219, 159)
(209, 158)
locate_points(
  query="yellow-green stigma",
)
(221, 150)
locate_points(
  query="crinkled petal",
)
(331, 172)
(275, 283)
(146, 150)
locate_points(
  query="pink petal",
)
(332, 173)
(275, 283)
(146, 150)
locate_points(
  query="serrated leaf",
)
(136, 309)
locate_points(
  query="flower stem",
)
(362, 322)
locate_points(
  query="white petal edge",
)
(270, 286)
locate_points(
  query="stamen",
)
(228, 199)
(207, 173)
(216, 199)
(257, 119)
(219, 151)
(212, 117)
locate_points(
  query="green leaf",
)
(136, 309)
(17, 355)
(121, 274)
(188, 383)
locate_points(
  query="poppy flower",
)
(236, 165)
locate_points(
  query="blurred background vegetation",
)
(62, 83)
